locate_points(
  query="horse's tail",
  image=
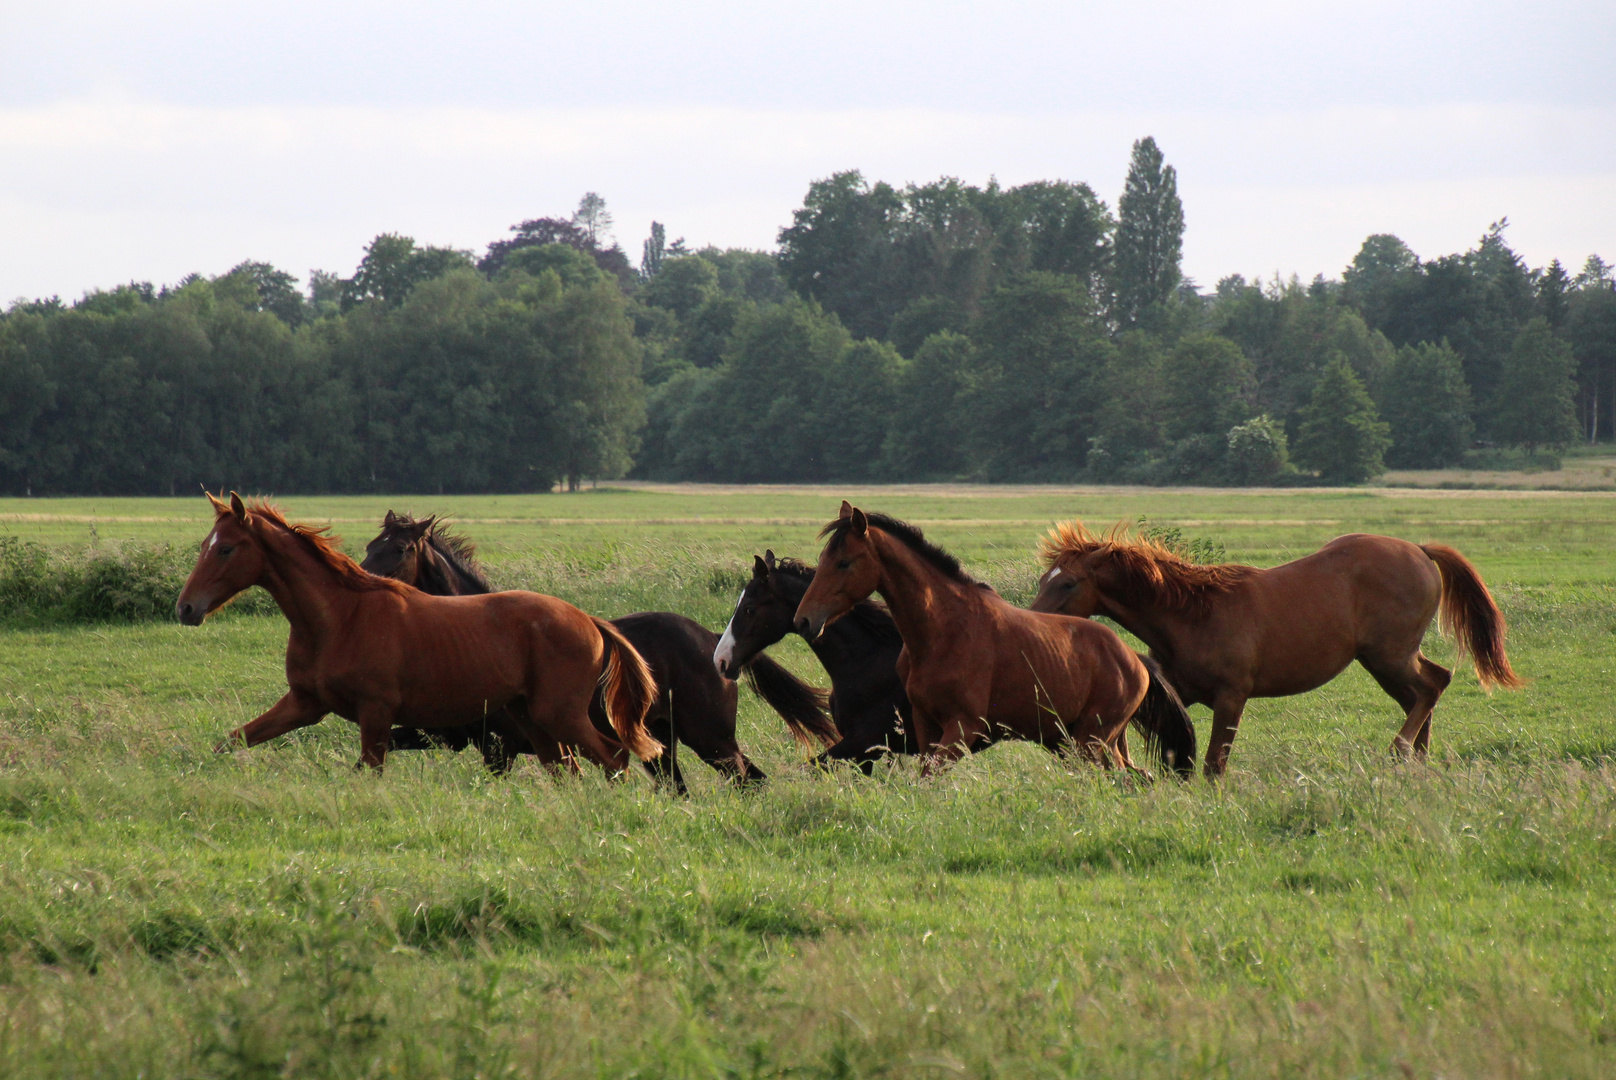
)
(1471, 618)
(628, 691)
(801, 706)
(1166, 723)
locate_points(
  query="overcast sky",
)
(146, 140)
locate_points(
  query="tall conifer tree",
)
(1150, 234)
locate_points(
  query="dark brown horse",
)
(977, 668)
(859, 652)
(1228, 633)
(694, 705)
(378, 652)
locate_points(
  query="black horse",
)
(694, 705)
(859, 652)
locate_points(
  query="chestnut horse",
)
(976, 667)
(1228, 633)
(378, 652)
(693, 706)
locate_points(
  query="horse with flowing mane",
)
(378, 652)
(1227, 633)
(693, 706)
(859, 651)
(976, 667)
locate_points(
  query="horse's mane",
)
(1149, 570)
(456, 550)
(907, 535)
(871, 616)
(320, 543)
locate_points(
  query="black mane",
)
(872, 617)
(460, 554)
(907, 535)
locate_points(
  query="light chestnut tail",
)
(627, 689)
(1471, 618)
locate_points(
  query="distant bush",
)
(125, 583)
(1511, 461)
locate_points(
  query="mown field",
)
(1326, 911)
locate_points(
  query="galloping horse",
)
(376, 652)
(693, 704)
(1228, 633)
(859, 652)
(977, 668)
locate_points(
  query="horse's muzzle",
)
(810, 629)
(189, 613)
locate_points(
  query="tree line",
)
(936, 331)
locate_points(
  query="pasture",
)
(1325, 911)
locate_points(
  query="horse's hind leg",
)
(1416, 684)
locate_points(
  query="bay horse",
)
(1227, 633)
(377, 652)
(976, 667)
(859, 653)
(693, 704)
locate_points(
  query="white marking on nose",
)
(726, 644)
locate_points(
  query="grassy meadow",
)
(1326, 911)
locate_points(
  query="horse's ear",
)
(847, 510)
(760, 569)
(238, 508)
(390, 520)
(768, 560)
(425, 526)
(861, 524)
(219, 506)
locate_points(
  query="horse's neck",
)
(458, 580)
(924, 601)
(844, 647)
(308, 592)
(434, 575)
(1157, 626)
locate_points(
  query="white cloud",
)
(96, 191)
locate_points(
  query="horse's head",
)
(1069, 588)
(763, 615)
(397, 550)
(232, 559)
(849, 571)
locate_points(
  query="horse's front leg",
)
(375, 732)
(961, 735)
(1227, 708)
(292, 711)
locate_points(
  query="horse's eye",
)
(1068, 585)
(225, 550)
(749, 610)
(843, 564)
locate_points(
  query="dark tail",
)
(628, 690)
(801, 706)
(1166, 723)
(1471, 618)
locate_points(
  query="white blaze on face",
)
(726, 644)
(213, 538)
(1052, 575)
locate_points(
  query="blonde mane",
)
(1149, 571)
(319, 542)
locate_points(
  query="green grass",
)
(165, 911)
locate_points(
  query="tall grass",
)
(123, 582)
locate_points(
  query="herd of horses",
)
(414, 647)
